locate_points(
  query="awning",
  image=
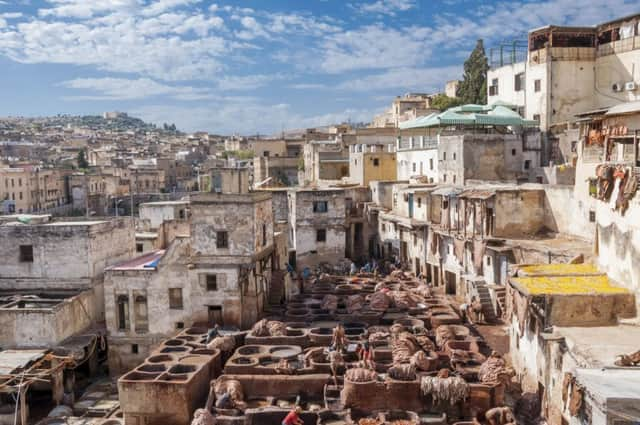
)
(625, 108)
(447, 191)
(11, 360)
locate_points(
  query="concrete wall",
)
(568, 213)
(158, 212)
(363, 168)
(519, 213)
(419, 162)
(506, 84)
(47, 326)
(305, 223)
(64, 251)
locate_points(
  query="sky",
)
(252, 66)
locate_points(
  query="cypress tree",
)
(473, 88)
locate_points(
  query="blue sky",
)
(252, 66)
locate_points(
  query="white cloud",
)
(307, 86)
(86, 8)
(422, 79)
(251, 29)
(385, 7)
(374, 47)
(246, 82)
(160, 6)
(125, 89)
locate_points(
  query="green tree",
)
(82, 160)
(443, 102)
(473, 88)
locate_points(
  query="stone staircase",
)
(276, 288)
(487, 305)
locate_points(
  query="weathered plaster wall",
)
(519, 213)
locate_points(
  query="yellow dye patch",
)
(558, 269)
(568, 285)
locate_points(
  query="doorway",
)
(215, 315)
(450, 283)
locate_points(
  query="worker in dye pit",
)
(339, 338)
(293, 418)
(464, 312)
(224, 401)
(353, 269)
(365, 355)
(336, 362)
(476, 308)
(213, 333)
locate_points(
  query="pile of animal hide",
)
(403, 372)
(404, 299)
(629, 360)
(452, 389)
(330, 302)
(379, 301)
(233, 387)
(494, 370)
(444, 333)
(222, 343)
(360, 375)
(354, 303)
(269, 328)
(421, 361)
(403, 346)
(377, 337)
(422, 291)
(203, 417)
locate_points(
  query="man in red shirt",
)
(293, 417)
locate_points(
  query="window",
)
(431, 163)
(265, 154)
(321, 235)
(444, 177)
(384, 227)
(488, 261)
(414, 167)
(376, 162)
(140, 309)
(419, 202)
(320, 206)
(20, 182)
(20, 195)
(222, 239)
(26, 253)
(134, 348)
(122, 303)
(212, 282)
(527, 164)
(454, 179)
(537, 85)
(592, 216)
(536, 117)
(493, 88)
(179, 325)
(175, 298)
(513, 152)
(139, 247)
(444, 156)
(518, 83)
(454, 156)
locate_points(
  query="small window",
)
(222, 239)
(445, 204)
(527, 164)
(488, 261)
(134, 349)
(537, 85)
(320, 206)
(376, 162)
(536, 117)
(518, 83)
(179, 325)
(384, 227)
(414, 167)
(139, 247)
(321, 235)
(212, 282)
(419, 202)
(454, 179)
(513, 152)
(444, 178)
(592, 216)
(175, 298)
(444, 156)
(431, 163)
(454, 156)
(265, 154)
(122, 303)
(26, 253)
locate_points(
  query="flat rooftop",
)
(568, 285)
(611, 384)
(559, 269)
(597, 347)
